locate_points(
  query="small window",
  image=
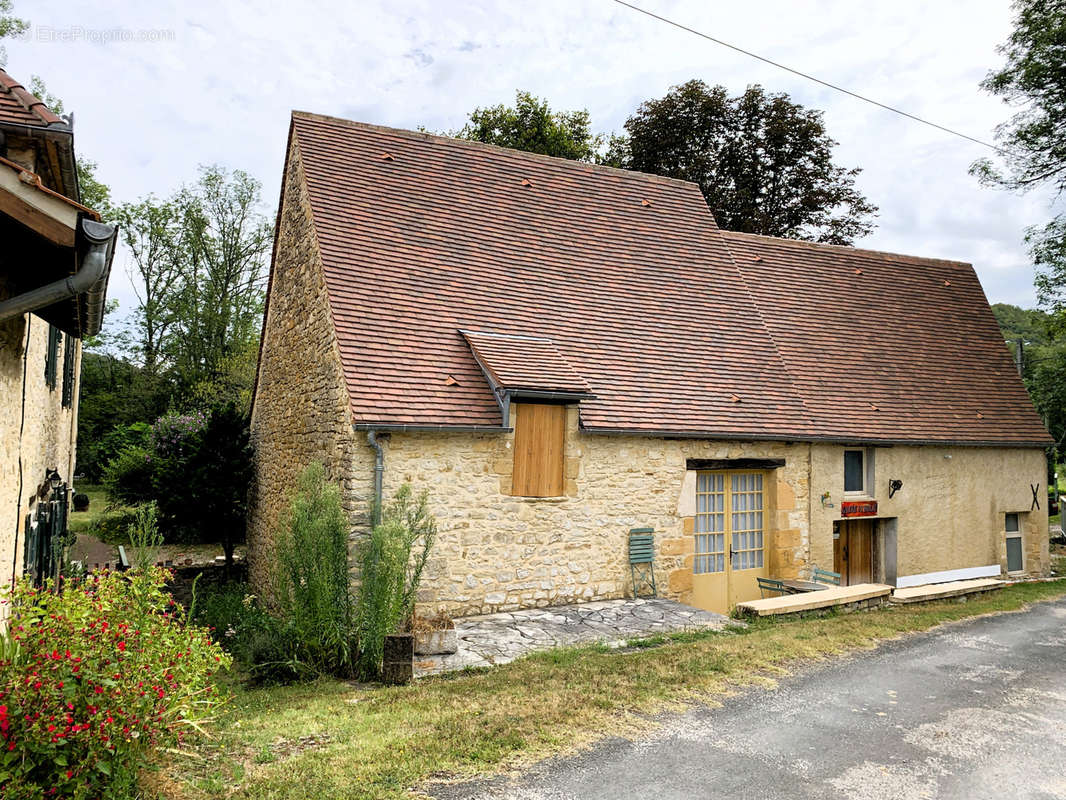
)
(539, 438)
(854, 471)
(51, 357)
(1015, 556)
(68, 371)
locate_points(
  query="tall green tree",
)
(1043, 361)
(764, 163)
(532, 126)
(225, 241)
(1033, 140)
(152, 232)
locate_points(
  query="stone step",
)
(866, 593)
(941, 591)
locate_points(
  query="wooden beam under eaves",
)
(40, 211)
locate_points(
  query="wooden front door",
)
(730, 551)
(853, 552)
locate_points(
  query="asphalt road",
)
(970, 710)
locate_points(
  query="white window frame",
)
(1015, 534)
(867, 471)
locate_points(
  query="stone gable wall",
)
(301, 412)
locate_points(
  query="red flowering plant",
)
(94, 680)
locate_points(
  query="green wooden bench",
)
(642, 559)
(771, 585)
(820, 575)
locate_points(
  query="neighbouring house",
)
(560, 353)
(54, 266)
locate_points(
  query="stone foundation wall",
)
(301, 411)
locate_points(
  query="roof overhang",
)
(56, 255)
(27, 201)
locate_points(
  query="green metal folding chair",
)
(642, 559)
(771, 585)
(820, 575)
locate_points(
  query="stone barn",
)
(560, 352)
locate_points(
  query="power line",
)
(779, 65)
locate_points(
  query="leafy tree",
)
(225, 239)
(1033, 80)
(10, 26)
(151, 231)
(1043, 362)
(530, 125)
(764, 164)
(94, 193)
(202, 470)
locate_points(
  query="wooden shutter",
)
(538, 450)
(51, 357)
(68, 371)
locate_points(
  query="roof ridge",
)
(509, 151)
(845, 248)
(32, 103)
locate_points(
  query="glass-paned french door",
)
(729, 510)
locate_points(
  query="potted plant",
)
(434, 635)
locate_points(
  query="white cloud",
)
(218, 83)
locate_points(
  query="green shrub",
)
(312, 581)
(144, 537)
(113, 527)
(389, 576)
(258, 642)
(96, 679)
(128, 476)
(197, 468)
(96, 452)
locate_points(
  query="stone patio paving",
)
(498, 638)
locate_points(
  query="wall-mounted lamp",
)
(54, 479)
(894, 485)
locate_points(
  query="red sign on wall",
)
(858, 508)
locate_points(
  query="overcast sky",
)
(158, 88)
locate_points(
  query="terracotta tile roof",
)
(18, 106)
(879, 343)
(627, 274)
(529, 363)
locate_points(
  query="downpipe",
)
(379, 474)
(94, 272)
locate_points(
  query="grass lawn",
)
(99, 509)
(340, 740)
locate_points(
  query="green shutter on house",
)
(51, 358)
(68, 371)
